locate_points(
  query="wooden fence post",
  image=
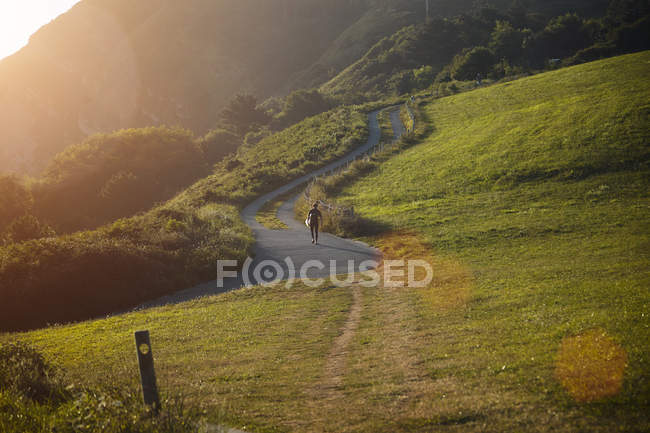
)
(147, 372)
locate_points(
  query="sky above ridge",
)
(19, 19)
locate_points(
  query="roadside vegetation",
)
(534, 319)
(268, 214)
(385, 126)
(173, 245)
(36, 397)
(341, 218)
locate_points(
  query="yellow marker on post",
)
(147, 372)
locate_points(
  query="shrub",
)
(111, 176)
(563, 36)
(25, 373)
(594, 52)
(218, 143)
(174, 225)
(423, 77)
(15, 200)
(477, 60)
(506, 41)
(33, 398)
(25, 228)
(242, 114)
(301, 104)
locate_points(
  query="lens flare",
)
(591, 365)
(452, 281)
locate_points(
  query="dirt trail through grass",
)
(330, 386)
(335, 366)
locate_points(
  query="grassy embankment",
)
(536, 192)
(267, 215)
(530, 200)
(172, 246)
(325, 188)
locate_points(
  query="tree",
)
(506, 41)
(423, 77)
(562, 37)
(27, 227)
(218, 143)
(15, 200)
(301, 104)
(241, 114)
(477, 60)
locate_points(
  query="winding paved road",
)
(290, 250)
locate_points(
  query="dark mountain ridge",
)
(113, 64)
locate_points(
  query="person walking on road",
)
(314, 218)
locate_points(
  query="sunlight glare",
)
(20, 19)
(591, 365)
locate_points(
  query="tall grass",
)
(34, 397)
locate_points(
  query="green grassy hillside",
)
(530, 201)
(352, 44)
(380, 69)
(538, 188)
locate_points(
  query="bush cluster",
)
(110, 176)
(493, 43)
(25, 373)
(35, 398)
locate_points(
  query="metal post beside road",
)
(147, 372)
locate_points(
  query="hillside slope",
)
(538, 190)
(112, 64)
(529, 199)
(352, 44)
(173, 245)
(107, 65)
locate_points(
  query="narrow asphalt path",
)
(283, 254)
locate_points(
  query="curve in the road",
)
(284, 253)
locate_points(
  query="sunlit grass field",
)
(249, 357)
(539, 189)
(529, 199)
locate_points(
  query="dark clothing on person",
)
(314, 217)
(314, 232)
